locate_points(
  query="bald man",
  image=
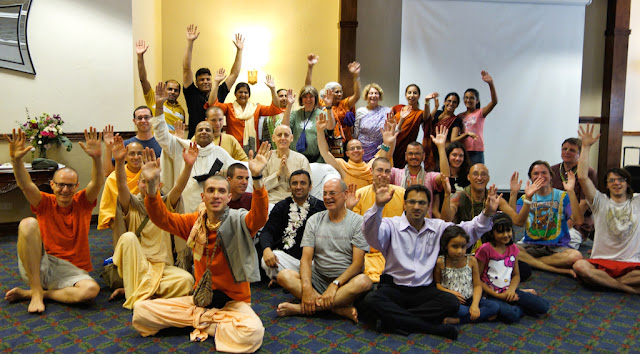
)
(53, 250)
(215, 116)
(281, 164)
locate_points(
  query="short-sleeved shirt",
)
(474, 122)
(497, 267)
(172, 112)
(65, 231)
(302, 121)
(547, 220)
(196, 100)
(151, 144)
(617, 235)
(332, 242)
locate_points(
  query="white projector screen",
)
(533, 51)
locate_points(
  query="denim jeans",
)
(527, 304)
(487, 307)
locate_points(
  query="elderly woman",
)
(303, 121)
(370, 121)
(242, 114)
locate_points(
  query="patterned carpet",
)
(580, 320)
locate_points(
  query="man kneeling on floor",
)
(53, 250)
(333, 241)
(143, 251)
(224, 259)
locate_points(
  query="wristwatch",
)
(337, 282)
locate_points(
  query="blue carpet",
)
(580, 320)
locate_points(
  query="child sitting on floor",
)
(498, 261)
(457, 272)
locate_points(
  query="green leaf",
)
(66, 142)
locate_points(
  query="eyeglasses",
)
(134, 153)
(331, 193)
(619, 180)
(143, 118)
(414, 202)
(355, 148)
(63, 185)
(481, 174)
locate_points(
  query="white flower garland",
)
(297, 217)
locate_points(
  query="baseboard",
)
(11, 228)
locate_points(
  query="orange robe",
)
(408, 133)
(235, 126)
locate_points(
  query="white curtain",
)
(533, 51)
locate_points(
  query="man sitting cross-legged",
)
(143, 250)
(281, 236)
(223, 254)
(53, 250)
(407, 300)
(615, 259)
(333, 241)
(545, 245)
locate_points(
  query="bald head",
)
(204, 133)
(282, 136)
(478, 176)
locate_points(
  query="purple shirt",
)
(411, 254)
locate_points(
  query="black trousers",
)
(410, 309)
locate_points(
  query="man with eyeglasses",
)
(144, 136)
(571, 150)
(109, 199)
(615, 257)
(545, 245)
(355, 171)
(53, 250)
(333, 241)
(407, 299)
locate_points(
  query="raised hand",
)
(389, 133)
(321, 123)
(570, 183)
(587, 135)
(383, 192)
(533, 188)
(178, 129)
(150, 169)
(486, 77)
(352, 198)
(219, 76)
(493, 201)
(291, 97)
(161, 94)
(192, 33)
(354, 68)
(328, 98)
(239, 42)
(270, 82)
(190, 155)
(431, 96)
(515, 183)
(107, 135)
(312, 59)
(257, 164)
(93, 143)
(141, 47)
(118, 149)
(17, 150)
(441, 136)
(446, 185)
(404, 113)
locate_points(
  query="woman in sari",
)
(370, 121)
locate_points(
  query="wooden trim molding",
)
(348, 25)
(590, 120)
(631, 133)
(80, 136)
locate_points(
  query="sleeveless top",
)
(458, 279)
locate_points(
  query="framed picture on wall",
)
(14, 50)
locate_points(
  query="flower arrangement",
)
(44, 131)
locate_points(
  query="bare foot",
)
(451, 320)
(349, 312)
(273, 283)
(116, 294)
(570, 273)
(492, 318)
(16, 294)
(531, 291)
(289, 309)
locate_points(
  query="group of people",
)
(407, 235)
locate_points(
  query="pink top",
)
(397, 177)
(474, 122)
(497, 267)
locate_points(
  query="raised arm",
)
(514, 185)
(447, 213)
(389, 137)
(440, 140)
(217, 79)
(577, 216)
(354, 69)
(93, 148)
(119, 154)
(328, 101)
(107, 136)
(141, 48)
(258, 163)
(312, 60)
(187, 73)
(237, 63)
(586, 183)
(291, 98)
(189, 155)
(271, 84)
(529, 191)
(17, 150)
(494, 97)
(427, 105)
(323, 146)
